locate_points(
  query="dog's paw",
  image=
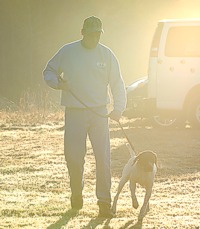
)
(135, 203)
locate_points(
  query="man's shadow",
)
(137, 225)
(97, 221)
(62, 222)
(64, 219)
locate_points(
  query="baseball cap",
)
(92, 24)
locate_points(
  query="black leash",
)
(127, 138)
(102, 116)
(85, 105)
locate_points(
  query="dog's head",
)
(146, 160)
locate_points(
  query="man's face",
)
(90, 40)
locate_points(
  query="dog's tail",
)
(131, 151)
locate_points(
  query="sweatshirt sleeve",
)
(53, 70)
(117, 85)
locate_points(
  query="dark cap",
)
(92, 24)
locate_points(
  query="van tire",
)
(194, 113)
(164, 122)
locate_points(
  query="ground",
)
(34, 182)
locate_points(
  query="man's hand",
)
(115, 115)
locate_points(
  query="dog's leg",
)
(122, 182)
(133, 196)
(125, 177)
(145, 207)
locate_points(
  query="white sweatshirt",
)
(89, 73)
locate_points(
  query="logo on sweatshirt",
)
(101, 65)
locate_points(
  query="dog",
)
(140, 169)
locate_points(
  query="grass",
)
(34, 182)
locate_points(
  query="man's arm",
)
(52, 73)
(118, 90)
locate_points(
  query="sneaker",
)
(76, 202)
(105, 211)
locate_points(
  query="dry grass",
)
(34, 184)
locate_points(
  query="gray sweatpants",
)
(80, 123)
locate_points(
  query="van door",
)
(178, 64)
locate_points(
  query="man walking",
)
(86, 69)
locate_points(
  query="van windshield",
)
(183, 41)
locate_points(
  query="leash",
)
(127, 138)
(86, 106)
(103, 116)
(100, 115)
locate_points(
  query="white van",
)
(173, 83)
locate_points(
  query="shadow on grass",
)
(137, 225)
(64, 219)
(97, 221)
(62, 222)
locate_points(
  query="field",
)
(34, 183)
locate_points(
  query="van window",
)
(183, 41)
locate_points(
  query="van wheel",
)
(194, 113)
(164, 122)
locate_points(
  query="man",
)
(83, 70)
